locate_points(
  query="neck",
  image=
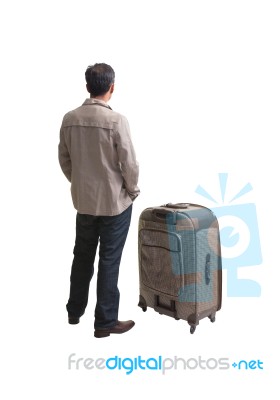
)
(104, 97)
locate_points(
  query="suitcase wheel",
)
(142, 303)
(212, 318)
(192, 330)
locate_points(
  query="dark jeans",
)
(111, 232)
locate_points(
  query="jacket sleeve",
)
(127, 158)
(64, 156)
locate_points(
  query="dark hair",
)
(99, 78)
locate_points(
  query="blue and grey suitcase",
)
(180, 265)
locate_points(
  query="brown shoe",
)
(120, 327)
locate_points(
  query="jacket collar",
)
(92, 101)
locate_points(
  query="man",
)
(97, 156)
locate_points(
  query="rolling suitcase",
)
(180, 266)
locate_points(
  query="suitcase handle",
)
(161, 213)
(177, 205)
(165, 309)
(207, 270)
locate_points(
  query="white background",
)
(199, 83)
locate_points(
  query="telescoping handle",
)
(177, 205)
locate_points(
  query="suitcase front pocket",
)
(161, 261)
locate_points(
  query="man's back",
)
(97, 156)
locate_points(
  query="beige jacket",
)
(96, 155)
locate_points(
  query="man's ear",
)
(112, 88)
